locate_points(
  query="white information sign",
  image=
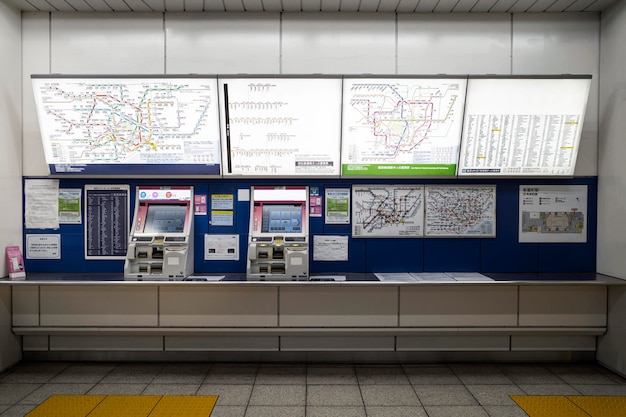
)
(280, 126)
(330, 248)
(43, 246)
(387, 210)
(522, 126)
(553, 213)
(221, 247)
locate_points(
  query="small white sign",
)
(221, 247)
(43, 246)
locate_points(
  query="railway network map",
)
(460, 211)
(387, 210)
(402, 127)
(281, 126)
(125, 126)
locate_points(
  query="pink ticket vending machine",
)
(278, 242)
(161, 238)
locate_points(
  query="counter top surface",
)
(327, 279)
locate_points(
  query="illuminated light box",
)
(523, 126)
(401, 127)
(280, 126)
(129, 125)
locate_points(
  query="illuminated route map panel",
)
(281, 126)
(460, 211)
(523, 126)
(387, 211)
(129, 126)
(401, 127)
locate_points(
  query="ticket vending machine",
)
(278, 242)
(161, 238)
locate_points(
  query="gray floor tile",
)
(431, 375)
(549, 389)
(381, 375)
(228, 411)
(33, 373)
(117, 389)
(456, 411)
(171, 389)
(133, 373)
(480, 374)
(82, 374)
(333, 395)
(228, 394)
(12, 393)
(505, 411)
(530, 374)
(278, 395)
(231, 374)
(596, 389)
(281, 374)
(276, 411)
(331, 375)
(44, 391)
(339, 411)
(581, 374)
(494, 394)
(18, 411)
(399, 395)
(444, 395)
(396, 411)
(182, 374)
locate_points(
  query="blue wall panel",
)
(500, 254)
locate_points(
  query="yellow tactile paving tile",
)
(184, 406)
(125, 406)
(548, 406)
(67, 406)
(572, 405)
(600, 406)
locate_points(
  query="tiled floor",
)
(315, 390)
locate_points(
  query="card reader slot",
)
(279, 253)
(157, 253)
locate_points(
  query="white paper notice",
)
(330, 248)
(221, 247)
(43, 246)
(41, 208)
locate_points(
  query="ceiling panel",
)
(331, 5)
(502, 6)
(483, 6)
(426, 6)
(253, 5)
(194, 5)
(384, 6)
(98, 5)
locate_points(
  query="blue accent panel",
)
(452, 255)
(500, 254)
(566, 257)
(394, 255)
(72, 258)
(504, 253)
